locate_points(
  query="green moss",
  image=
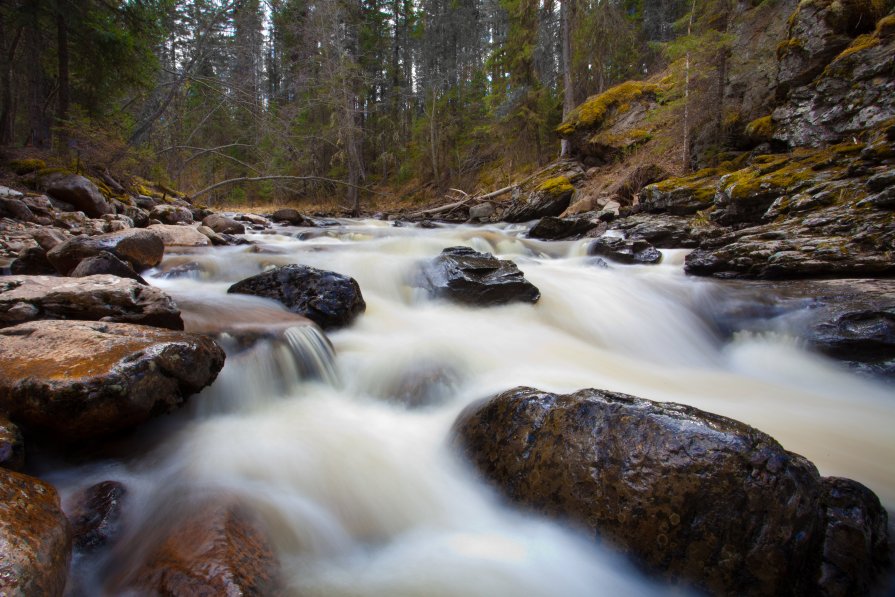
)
(592, 113)
(861, 43)
(27, 166)
(761, 129)
(787, 46)
(885, 27)
(556, 186)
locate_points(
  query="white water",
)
(363, 495)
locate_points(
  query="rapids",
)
(362, 494)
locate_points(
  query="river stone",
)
(12, 445)
(624, 250)
(105, 263)
(463, 275)
(688, 494)
(35, 538)
(32, 261)
(171, 214)
(481, 212)
(81, 380)
(15, 209)
(664, 231)
(93, 298)
(140, 248)
(539, 204)
(179, 236)
(290, 216)
(328, 299)
(553, 228)
(223, 224)
(95, 515)
(81, 193)
(221, 550)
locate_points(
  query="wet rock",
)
(223, 225)
(540, 203)
(95, 515)
(481, 212)
(80, 193)
(422, 384)
(681, 196)
(81, 380)
(551, 228)
(624, 250)
(32, 261)
(179, 236)
(688, 494)
(106, 263)
(171, 214)
(291, 216)
(329, 299)
(664, 231)
(12, 445)
(92, 298)
(140, 248)
(15, 209)
(260, 222)
(465, 276)
(35, 538)
(220, 550)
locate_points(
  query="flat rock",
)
(106, 263)
(92, 298)
(35, 537)
(223, 224)
(81, 193)
(664, 231)
(179, 236)
(140, 248)
(624, 250)
(81, 380)
(220, 550)
(465, 276)
(688, 494)
(329, 299)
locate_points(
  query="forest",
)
(362, 100)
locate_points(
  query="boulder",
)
(260, 222)
(92, 298)
(664, 231)
(48, 237)
(223, 225)
(16, 209)
(550, 198)
(688, 494)
(463, 275)
(624, 250)
(106, 263)
(81, 380)
(80, 193)
(328, 299)
(682, 196)
(95, 515)
(140, 248)
(140, 217)
(291, 216)
(12, 445)
(551, 228)
(171, 214)
(179, 236)
(32, 261)
(220, 550)
(35, 538)
(481, 212)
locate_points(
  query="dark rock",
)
(171, 214)
(35, 536)
(664, 231)
(219, 550)
(48, 237)
(885, 199)
(140, 248)
(690, 495)
(465, 276)
(95, 515)
(81, 380)
(551, 228)
(223, 225)
(12, 445)
(290, 216)
(540, 204)
(140, 217)
(106, 263)
(881, 181)
(146, 202)
(80, 193)
(32, 261)
(16, 209)
(624, 250)
(481, 212)
(328, 299)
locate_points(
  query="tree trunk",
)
(686, 157)
(568, 103)
(6, 104)
(62, 98)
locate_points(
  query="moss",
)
(593, 111)
(27, 166)
(556, 186)
(861, 43)
(788, 46)
(761, 129)
(885, 27)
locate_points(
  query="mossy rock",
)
(556, 186)
(593, 112)
(27, 166)
(760, 130)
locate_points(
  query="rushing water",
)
(362, 493)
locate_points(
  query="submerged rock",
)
(220, 550)
(82, 380)
(35, 538)
(551, 228)
(465, 276)
(328, 299)
(690, 495)
(139, 248)
(624, 250)
(95, 515)
(93, 298)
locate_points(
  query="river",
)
(363, 494)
